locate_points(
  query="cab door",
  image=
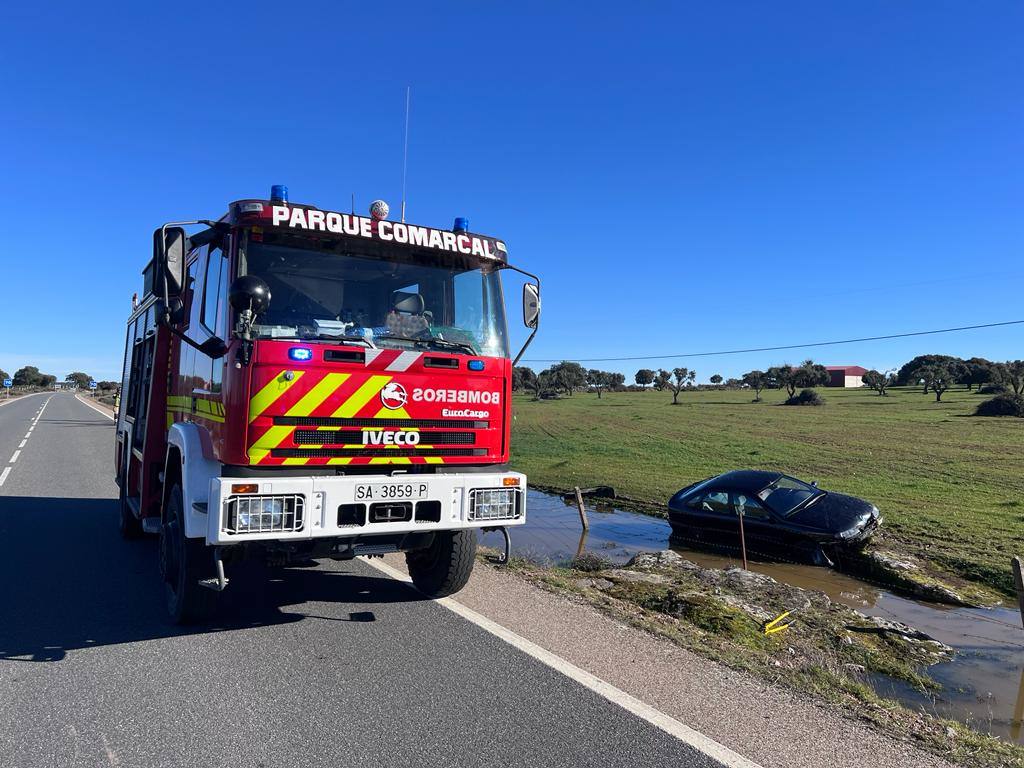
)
(209, 319)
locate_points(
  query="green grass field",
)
(950, 486)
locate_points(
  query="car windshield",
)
(398, 298)
(787, 494)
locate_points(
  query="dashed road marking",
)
(17, 453)
(671, 726)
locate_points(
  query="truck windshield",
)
(397, 298)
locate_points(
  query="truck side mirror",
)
(169, 251)
(531, 305)
(214, 347)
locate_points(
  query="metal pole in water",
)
(743, 540)
(583, 510)
(1018, 581)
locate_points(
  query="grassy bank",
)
(950, 485)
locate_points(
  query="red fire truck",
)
(301, 383)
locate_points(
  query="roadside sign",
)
(92, 385)
(8, 383)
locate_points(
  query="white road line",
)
(22, 443)
(4, 474)
(670, 725)
(94, 407)
(14, 456)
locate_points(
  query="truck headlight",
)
(263, 514)
(494, 503)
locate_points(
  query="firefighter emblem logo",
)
(393, 396)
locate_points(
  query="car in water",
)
(783, 517)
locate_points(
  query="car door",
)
(712, 517)
(759, 529)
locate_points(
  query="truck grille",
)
(317, 453)
(354, 437)
(331, 421)
(264, 514)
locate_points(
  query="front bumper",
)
(303, 508)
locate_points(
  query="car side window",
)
(750, 506)
(713, 501)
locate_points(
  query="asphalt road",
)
(333, 665)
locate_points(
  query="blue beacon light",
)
(279, 193)
(475, 365)
(300, 353)
(461, 224)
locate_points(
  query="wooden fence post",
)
(583, 510)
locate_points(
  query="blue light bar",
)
(279, 193)
(461, 224)
(475, 365)
(300, 353)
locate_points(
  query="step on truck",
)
(304, 384)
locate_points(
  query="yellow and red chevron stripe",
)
(313, 393)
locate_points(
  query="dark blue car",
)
(782, 517)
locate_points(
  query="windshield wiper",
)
(321, 337)
(439, 343)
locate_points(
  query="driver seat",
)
(406, 317)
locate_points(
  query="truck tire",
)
(183, 562)
(129, 525)
(445, 566)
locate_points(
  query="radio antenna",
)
(353, 203)
(405, 153)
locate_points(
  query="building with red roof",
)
(845, 375)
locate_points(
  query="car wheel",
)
(183, 562)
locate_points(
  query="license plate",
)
(391, 491)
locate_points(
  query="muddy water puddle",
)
(983, 686)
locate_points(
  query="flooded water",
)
(983, 686)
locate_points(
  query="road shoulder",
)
(766, 724)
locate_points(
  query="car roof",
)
(745, 480)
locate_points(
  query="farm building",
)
(845, 375)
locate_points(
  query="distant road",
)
(334, 665)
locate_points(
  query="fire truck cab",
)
(301, 383)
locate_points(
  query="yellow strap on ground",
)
(273, 390)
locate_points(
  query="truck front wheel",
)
(183, 562)
(444, 567)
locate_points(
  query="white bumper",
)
(321, 498)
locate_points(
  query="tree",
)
(80, 380)
(529, 381)
(808, 374)
(4, 374)
(879, 381)
(978, 371)
(597, 380)
(757, 381)
(520, 375)
(1012, 375)
(716, 379)
(568, 376)
(938, 377)
(905, 375)
(662, 380)
(680, 377)
(644, 377)
(691, 377)
(29, 376)
(616, 380)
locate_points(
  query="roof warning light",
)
(279, 193)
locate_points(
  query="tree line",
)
(30, 376)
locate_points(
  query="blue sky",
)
(683, 177)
